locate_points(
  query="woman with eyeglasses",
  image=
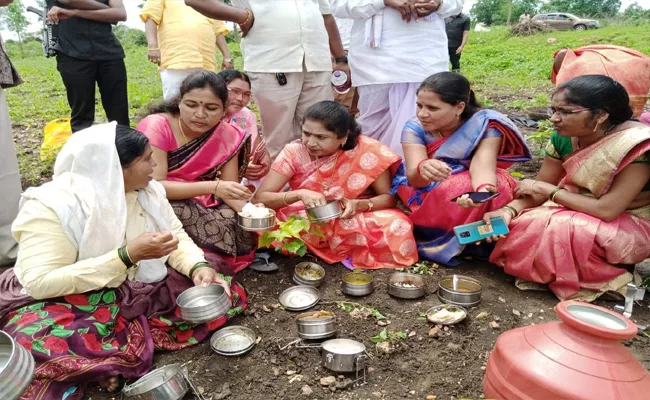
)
(588, 210)
(240, 116)
(201, 161)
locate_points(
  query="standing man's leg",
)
(316, 87)
(402, 100)
(172, 80)
(10, 184)
(79, 77)
(454, 58)
(112, 83)
(374, 110)
(277, 104)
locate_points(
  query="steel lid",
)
(299, 298)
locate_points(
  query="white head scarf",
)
(87, 194)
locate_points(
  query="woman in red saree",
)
(101, 260)
(588, 211)
(451, 148)
(201, 161)
(334, 161)
(628, 67)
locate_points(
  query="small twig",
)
(289, 345)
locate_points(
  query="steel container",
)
(396, 290)
(198, 305)
(16, 368)
(459, 290)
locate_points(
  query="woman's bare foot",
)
(110, 384)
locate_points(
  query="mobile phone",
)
(282, 78)
(478, 197)
(478, 231)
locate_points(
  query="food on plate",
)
(250, 210)
(446, 315)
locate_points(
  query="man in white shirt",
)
(394, 46)
(351, 98)
(287, 57)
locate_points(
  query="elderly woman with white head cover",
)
(101, 260)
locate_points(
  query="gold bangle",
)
(249, 15)
(284, 198)
(214, 192)
(555, 194)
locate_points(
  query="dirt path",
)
(450, 367)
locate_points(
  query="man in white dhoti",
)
(394, 45)
(9, 177)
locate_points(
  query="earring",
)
(597, 126)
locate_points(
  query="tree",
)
(635, 11)
(495, 12)
(16, 21)
(584, 8)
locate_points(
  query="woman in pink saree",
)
(201, 161)
(588, 212)
(334, 161)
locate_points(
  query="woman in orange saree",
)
(629, 67)
(333, 161)
(587, 212)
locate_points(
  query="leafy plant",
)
(420, 268)
(389, 336)
(349, 307)
(542, 136)
(288, 235)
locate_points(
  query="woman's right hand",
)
(151, 245)
(435, 170)
(229, 190)
(501, 212)
(311, 199)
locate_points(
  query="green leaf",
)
(82, 330)
(94, 298)
(36, 306)
(102, 329)
(165, 320)
(114, 310)
(88, 309)
(383, 334)
(42, 314)
(377, 314)
(31, 329)
(62, 333)
(14, 319)
(108, 346)
(47, 322)
(109, 297)
(302, 250)
(37, 345)
(183, 326)
(517, 175)
(192, 340)
(294, 246)
(265, 240)
(317, 232)
(73, 353)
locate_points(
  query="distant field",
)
(508, 72)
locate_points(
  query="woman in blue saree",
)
(454, 147)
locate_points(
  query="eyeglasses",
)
(563, 113)
(239, 92)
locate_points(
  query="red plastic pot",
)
(577, 358)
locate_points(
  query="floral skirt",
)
(85, 338)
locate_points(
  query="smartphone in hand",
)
(478, 197)
(477, 231)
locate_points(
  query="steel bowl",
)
(316, 325)
(299, 298)
(257, 224)
(331, 210)
(459, 290)
(433, 310)
(309, 273)
(357, 284)
(233, 340)
(16, 368)
(165, 383)
(395, 288)
(343, 355)
(199, 304)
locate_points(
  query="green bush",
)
(129, 36)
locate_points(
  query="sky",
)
(133, 20)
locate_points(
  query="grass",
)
(508, 73)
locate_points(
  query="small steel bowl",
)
(430, 313)
(168, 382)
(309, 273)
(233, 340)
(459, 290)
(397, 290)
(16, 368)
(357, 284)
(316, 325)
(257, 224)
(331, 210)
(198, 305)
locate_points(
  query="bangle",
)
(554, 193)
(284, 198)
(512, 210)
(249, 15)
(153, 49)
(214, 192)
(370, 205)
(197, 266)
(420, 166)
(484, 185)
(123, 253)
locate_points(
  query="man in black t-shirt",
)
(87, 53)
(457, 28)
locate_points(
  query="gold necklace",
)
(326, 184)
(180, 126)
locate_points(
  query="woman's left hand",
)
(465, 202)
(206, 276)
(526, 188)
(349, 208)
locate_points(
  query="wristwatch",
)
(227, 60)
(343, 59)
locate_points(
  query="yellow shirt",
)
(186, 39)
(47, 265)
